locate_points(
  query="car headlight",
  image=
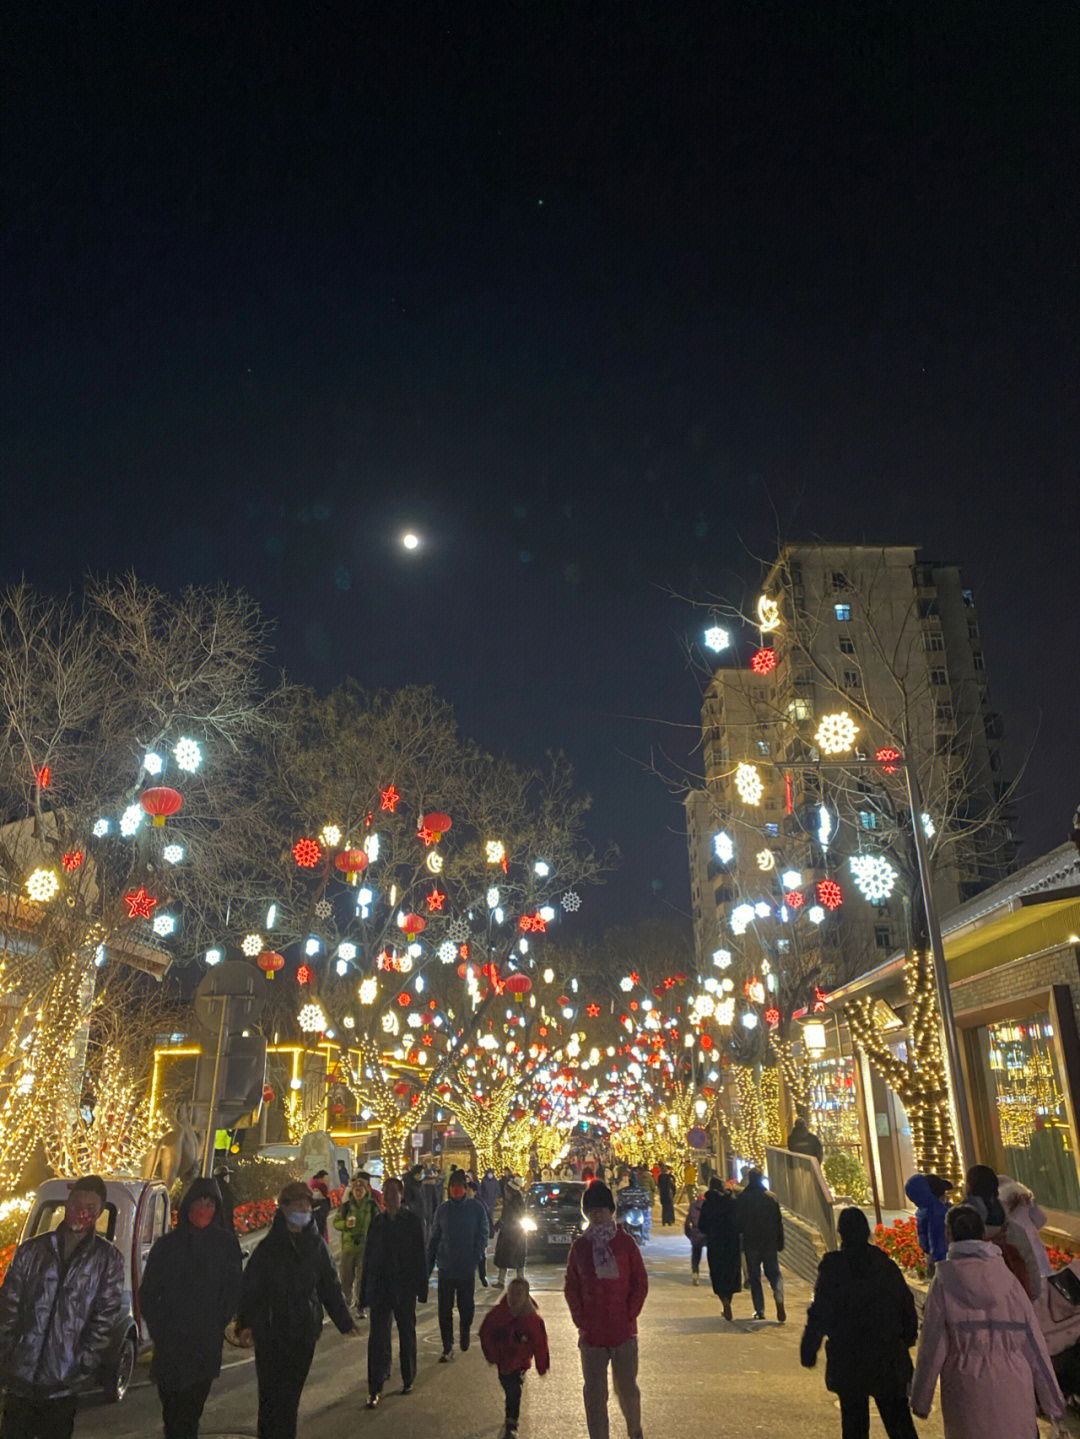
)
(529, 1226)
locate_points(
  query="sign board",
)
(697, 1138)
(418, 1141)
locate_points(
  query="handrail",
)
(801, 1187)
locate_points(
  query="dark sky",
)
(597, 296)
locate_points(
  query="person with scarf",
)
(605, 1289)
(189, 1291)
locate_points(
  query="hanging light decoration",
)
(836, 733)
(874, 876)
(307, 853)
(748, 783)
(160, 803)
(312, 1019)
(269, 961)
(763, 661)
(829, 893)
(768, 613)
(723, 847)
(42, 885)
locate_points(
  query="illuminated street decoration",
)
(887, 758)
(188, 755)
(874, 876)
(307, 853)
(836, 733)
(717, 638)
(723, 847)
(763, 661)
(42, 885)
(748, 783)
(312, 1019)
(830, 894)
(766, 860)
(768, 614)
(741, 916)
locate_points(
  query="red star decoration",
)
(427, 1041)
(435, 901)
(140, 904)
(427, 835)
(390, 799)
(635, 976)
(669, 984)
(593, 1011)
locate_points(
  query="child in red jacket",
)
(512, 1336)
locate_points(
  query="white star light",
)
(748, 783)
(724, 847)
(188, 754)
(836, 733)
(874, 876)
(717, 638)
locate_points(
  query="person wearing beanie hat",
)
(605, 1289)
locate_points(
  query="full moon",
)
(410, 541)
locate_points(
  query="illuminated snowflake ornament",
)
(371, 847)
(188, 754)
(447, 951)
(164, 925)
(829, 894)
(626, 984)
(346, 949)
(369, 990)
(836, 733)
(748, 783)
(330, 836)
(741, 916)
(717, 638)
(101, 828)
(131, 819)
(153, 763)
(323, 909)
(874, 876)
(763, 661)
(571, 901)
(307, 853)
(791, 879)
(722, 958)
(723, 847)
(252, 945)
(458, 931)
(173, 853)
(495, 851)
(312, 1019)
(928, 826)
(815, 914)
(42, 885)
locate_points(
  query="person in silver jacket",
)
(60, 1305)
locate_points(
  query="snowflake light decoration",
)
(173, 853)
(724, 1013)
(458, 931)
(571, 901)
(371, 847)
(330, 836)
(188, 754)
(164, 925)
(493, 898)
(928, 826)
(369, 989)
(324, 909)
(722, 958)
(626, 984)
(73, 860)
(794, 899)
(312, 1019)
(42, 885)
(153, 763)
(101, 828)
(815, 914)
(829, 894)
(836, 733)
(495, 851)
(874, 876)
(307, 853)
(763, 661)
(447, 951)
(131, 819)
(717, 638)
(748, 783)
(346, 949)
(887, 757)
(252, 945)
(741, 916)
(723, 847)
(768, 613)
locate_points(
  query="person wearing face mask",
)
(189, 1291)
(288, 1282)
(59, 1310)
(459, 1237)
(353, 1220)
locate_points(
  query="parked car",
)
(553, 1217)
(136, 1213)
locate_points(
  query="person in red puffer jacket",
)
(512, 1336)
(605, 1290)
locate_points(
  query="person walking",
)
(353, 1221)
(802, 1140)
(761, 1229)
(489, 1195)
(288, 1282)
(865, 1311)
(393, 1280)
(927, 1192)
(60, 1305)
(189, 1292)
(228, 1199)
(459, 1237)
(717, 1223)
(1001, 1229)
(605, 1288)
(665, 1188)
(695, 1236)
(511, 1337)
(511, 1244)
(690, 1180)
(1020, 1208)
(321, 1202)
(980, 1336)
(472, 1191)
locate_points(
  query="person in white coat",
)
(981, 1338)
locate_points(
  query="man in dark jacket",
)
(59, 1312)
(189, 1292)
(459, 1237)
(717, 1223)
(802, 1140)
(865, 1311)
(395, 1277)
(761, 1229)
(288, 1281)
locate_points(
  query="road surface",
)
(699, 1375)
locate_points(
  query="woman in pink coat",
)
(981, 1336)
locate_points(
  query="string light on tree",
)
(748, 783)
(836, 733)
(874, 876)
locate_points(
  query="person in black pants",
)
(395, 1276)
(188, 1294)
(288, 1281)
(863, 1305)
(459, 1237)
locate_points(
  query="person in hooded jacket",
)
(511, 1245)
(717, 1224)
(926, 1192)
(459, 1237)
(865, 1312)
(1010, 1237)
(980, 1336)
(189, 1292)
(490, 1195)
(803, 1140)
(288, 1282)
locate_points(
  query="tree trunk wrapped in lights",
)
(921, 1082)
(757, 1125)
(796, 1071)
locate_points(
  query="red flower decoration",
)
(307, 853)
(830, 894)
(404, 999)
(763, 661)
(73, 860)
(772, 1018)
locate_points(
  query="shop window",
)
(1035, 1143)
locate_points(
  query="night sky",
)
(598, 297)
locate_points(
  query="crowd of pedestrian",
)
(980, 1341)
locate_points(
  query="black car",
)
(553, 1217)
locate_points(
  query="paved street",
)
(696, 1373)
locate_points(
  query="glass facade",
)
(1033, 1139)
(834, 1106)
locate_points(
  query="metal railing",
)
(798, 1183)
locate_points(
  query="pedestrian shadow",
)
(706, 1324)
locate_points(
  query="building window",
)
(840, 580)
(944, 714)
(973, 632)
(842, 612)
(763, 746)
(934, 641)
(927, 609)
(968, 598)
(847, 645)
(882, 936)
(851, 680)
(938, 677)
(977, 660)
(868, 819)
(783, 945)
(772, 830)
(798, 711)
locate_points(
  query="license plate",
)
(559, 1239)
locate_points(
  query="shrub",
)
(900, 1242)
(846, 1176)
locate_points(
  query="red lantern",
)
(307, 853)
(270, 962)
(436, 825)
(268, 1094)
(337, 1110)
(401, 1087)
(160, 803)
(518, 985)
(412, 924)
(351, 863)
(706, 1041)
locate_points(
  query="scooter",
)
(632, 1212)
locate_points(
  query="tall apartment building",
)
(893, 639)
